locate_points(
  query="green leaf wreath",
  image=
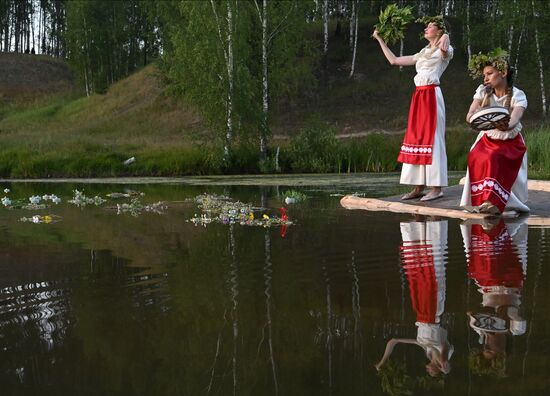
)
(392, 22)
(498, 58)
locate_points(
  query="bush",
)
(314, 150)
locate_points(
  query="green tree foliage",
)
(108, 40)
(197, 59)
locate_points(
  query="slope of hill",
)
(32, 75)
(59, 135)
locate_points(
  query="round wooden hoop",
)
(488, 118)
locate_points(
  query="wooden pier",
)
(448, 205)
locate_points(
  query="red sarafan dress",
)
(497, 163)
(497, 262)
(423, 150)
(423, 258)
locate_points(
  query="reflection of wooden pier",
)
(447, 206)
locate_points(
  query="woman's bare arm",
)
(389, 349)
(443, 44)
(476, 104)
(390, 56)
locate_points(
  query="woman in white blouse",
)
(423, 150)
(496, 179)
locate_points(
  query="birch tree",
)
(225, 33)
(263, 16)
(355, 17)
(352, 24)
(468, 34)
(539, 58)
(325, 28)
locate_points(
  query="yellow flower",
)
(251, 216)
(47, 219)
(266, 217)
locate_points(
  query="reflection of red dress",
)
(418, 263)
(493, 261)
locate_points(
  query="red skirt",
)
(418, 142)
(418, 264)
(493, 166)
(493, 259)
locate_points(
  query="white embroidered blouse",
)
(430, 65)
(518, 99)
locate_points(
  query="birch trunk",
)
(401, 47)
(226, 41)
(316, 10)
(356, 24)
(539, 59)
(468, 41)
(325, 27)
(520, 38)
(265, 92)
(511, 31)
(229, 133)
(351, 25)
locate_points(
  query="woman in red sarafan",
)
(423, 150)
(423, 259)
(496, 179)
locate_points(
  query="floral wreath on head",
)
(498, 58)
(437, 20)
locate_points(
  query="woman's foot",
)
(416, 193)
(488, 208)
(434, 194)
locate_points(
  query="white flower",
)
(6, 190)
(35, 199)
(6, 201)
(55, 199)
(36, 219)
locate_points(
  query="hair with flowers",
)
(437, 20)
(498, 58)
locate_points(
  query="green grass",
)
(538, 153)
(64, 136)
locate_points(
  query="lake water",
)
(101, 303)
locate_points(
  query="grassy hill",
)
(46, 130)
(26, 78)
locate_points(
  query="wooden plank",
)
(373, 204)
(448, 205)
(539, 185)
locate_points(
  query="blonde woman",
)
(423, 150)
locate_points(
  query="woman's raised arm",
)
(390, 56)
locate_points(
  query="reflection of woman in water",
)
(422, 256)
(497, 262)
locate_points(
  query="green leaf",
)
(392, 22)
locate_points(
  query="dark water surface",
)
(107, 304)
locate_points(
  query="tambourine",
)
(489, 117)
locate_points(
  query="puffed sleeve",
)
(519, 98)
(450, 53)
(480, 92)
(419, 54)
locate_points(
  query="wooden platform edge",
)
(373, 204)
